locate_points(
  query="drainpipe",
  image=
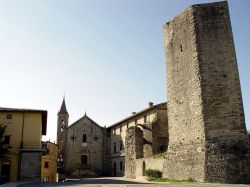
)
(20, 152)
(21, 146)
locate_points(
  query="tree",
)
(4, 148)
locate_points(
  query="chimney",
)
(150, 104)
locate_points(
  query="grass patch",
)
(153, 179)
(153, 173)
(160, 154)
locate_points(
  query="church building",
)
(82, 145)
(88, 149)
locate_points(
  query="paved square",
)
(115, 182)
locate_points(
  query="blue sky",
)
(107, 56)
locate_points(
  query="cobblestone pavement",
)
(115, 182)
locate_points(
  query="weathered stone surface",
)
(143, 164)
(30, 169)
(133, 151)
(153, 122)
(205, 111)
(86, 148)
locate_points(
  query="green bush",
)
(153, 173)
(190, 180)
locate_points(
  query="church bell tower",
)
(62, 124)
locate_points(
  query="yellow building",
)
(49, 162)
(24, 131)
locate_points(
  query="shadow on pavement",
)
(79, 182)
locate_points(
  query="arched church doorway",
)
(84, 159)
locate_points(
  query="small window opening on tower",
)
(62, 125)
(181, 48)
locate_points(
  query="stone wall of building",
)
(30, 169)
(186, 156)
(227, 142)
(85, 157)
(153, 123)
(143, 164)
(148, 141)
(118, 166)
(108, 151)
(160, 131)
(133, 151)
(205, 111)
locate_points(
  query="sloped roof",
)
(63, 109)
(44, 115)
(138, 114)
(85, 116)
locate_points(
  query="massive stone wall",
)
(207, 133)
(226, 139)
(185, 117)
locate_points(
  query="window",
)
(84, 138)
(96, 138)
(108, 133)
(120, 129)
(114, 147)
(62, 125)
(73, 137)
(136, 122)
(9, 116)
(145, 119)
(46, 164)
(47, 151)
(7, 139)
(121, 146)
(127, 125)
(114, 132)
(181, 48)
(121, 165)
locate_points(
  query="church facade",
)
(82, 146)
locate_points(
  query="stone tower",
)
(207, 132)
(62, 125)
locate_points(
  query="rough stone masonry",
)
(207, 133)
